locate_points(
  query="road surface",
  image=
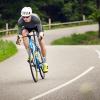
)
(73, 74)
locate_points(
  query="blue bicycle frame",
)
(34, 49)
(37, 62)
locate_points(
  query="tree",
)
(57, 10)
(52, 8)
(82, 9)
(98, 15)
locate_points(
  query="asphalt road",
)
(73, 74)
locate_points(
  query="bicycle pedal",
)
(29, 61)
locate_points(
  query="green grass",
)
(7, 49)
(89, 38)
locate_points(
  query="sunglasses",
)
(26, 17)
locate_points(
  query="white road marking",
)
(98, 52)
(63, 85)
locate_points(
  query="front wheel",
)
(34, 72)
(33, 68)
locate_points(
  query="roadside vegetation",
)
(89, 38)
(7, 49)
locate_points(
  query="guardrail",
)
(9, 30)
(48, 25)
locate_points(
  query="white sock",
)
(44, 59)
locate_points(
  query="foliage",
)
(57, 10)
(96, 15)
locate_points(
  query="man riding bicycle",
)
(27, 23)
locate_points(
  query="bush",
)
(89, 38)
(7, 49)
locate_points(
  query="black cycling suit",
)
(34, 24)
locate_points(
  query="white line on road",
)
(63, 85)
(98, 52)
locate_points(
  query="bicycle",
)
(35, 58)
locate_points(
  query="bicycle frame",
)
(34, 49)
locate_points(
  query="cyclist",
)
(27, 22)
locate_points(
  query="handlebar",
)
(29, 35)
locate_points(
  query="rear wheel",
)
(42, 74)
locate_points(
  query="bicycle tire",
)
(42, 74)
(33, 68)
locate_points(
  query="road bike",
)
(35, 57)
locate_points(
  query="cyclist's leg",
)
(43, 47)
(39, 29)
(25, 40)
(43, 50)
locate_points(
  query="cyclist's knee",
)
(24, 32)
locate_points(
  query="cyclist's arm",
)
(18, 41)
(20, 25)
(39, 27)
(36, 19)
(19, 35)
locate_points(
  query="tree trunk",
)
(98, 7)
(98, 4)
(81, 8)
(99, 29)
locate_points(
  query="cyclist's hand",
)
(41, 35)
(18, 41)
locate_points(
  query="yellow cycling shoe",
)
(45, 67)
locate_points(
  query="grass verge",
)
(7, 49)
(88, 38)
